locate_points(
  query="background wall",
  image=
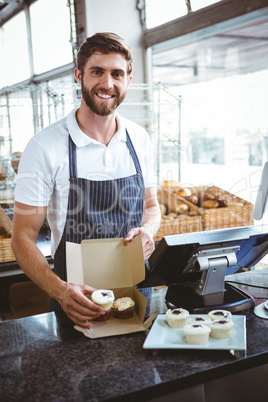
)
(121, 17)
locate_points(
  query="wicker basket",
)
(237, 211)
(184, 223)
(6, 252)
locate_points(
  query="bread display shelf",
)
(232, 211)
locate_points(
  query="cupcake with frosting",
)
(197, 334)
(220, 314)
(105, 299)
(221, 328)
(177, 317)
(123, 307)
(199, 320)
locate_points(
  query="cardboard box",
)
(110, 264)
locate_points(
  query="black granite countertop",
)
(43, 358)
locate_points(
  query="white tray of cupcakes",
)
(177, 329)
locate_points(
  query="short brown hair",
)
(105, 42)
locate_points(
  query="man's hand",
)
(147, 240)
(77, 306)
(150, 223)
(27, 222)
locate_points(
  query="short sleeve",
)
(34, 180)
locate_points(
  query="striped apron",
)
(99, 209)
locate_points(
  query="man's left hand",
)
(147, 240)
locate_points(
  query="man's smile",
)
(104, 96)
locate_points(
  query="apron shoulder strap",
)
(72, 159)
(133, 154)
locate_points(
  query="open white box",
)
(110, 264)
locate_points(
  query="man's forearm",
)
(151, 219)
(151, 215)
(35, 266)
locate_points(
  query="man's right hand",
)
(78, 307)
(27, 222)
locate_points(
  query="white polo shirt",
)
(43, 177)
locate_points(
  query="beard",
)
(103, 109)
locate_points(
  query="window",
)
(197, 4)
(50, 34)
(159, 12)
(51, 43)
(224, 133)
(220, 72)
(14, 66)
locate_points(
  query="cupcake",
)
(221, 328)
(199, 320)
(105, 299)
(177, 317)
(197, 334)
(220, 314)
(105, 316)
(123, 307)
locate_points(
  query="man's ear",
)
(78, 75)
(129, 80)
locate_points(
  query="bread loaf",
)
(3, 174)
(184, 192)
(15, 160)
(170, 184)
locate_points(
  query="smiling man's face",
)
(104, 82)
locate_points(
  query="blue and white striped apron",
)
(99, 209)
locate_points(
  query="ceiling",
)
(234, 50)
(9, 8)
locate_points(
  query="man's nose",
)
(106, 81)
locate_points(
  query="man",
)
(91, 173)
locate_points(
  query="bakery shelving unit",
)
(26, 109)
(158, 110)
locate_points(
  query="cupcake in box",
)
(105, 299)
(123, 307)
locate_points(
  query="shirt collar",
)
(81, 139)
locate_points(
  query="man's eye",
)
(118, 75)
